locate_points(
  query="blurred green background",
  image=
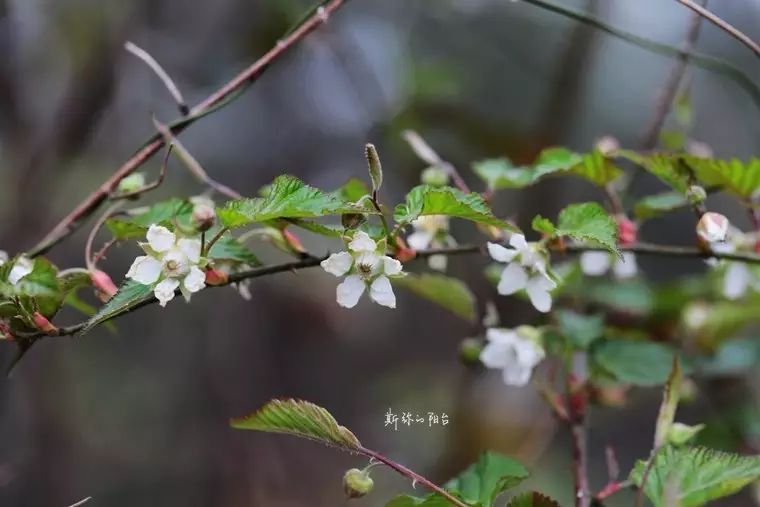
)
(141, 417)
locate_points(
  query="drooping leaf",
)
(699, 475)
(299, 418)
(532, 499)
(428, 200)
(657, 204)
(288, 197)
(230, 249)
(636, 362)
(130, 295)
(588, 222)
(450, 293)
(581, 330)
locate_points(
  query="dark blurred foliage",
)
(141, 417)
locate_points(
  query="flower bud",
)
(627, 230)
(375, 168)
(352, 220)
(43, 324)
(293, 242)
(712, 227)
(435, 176)
(204, 216)
(216, 277)
(131, 183)
(696, 194)
(680, 434)
(469, 351)
(607, 145)
(357, 483)
(103, 284)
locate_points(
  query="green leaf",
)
(427, 200)
(636, 362)
(73, 279)
(450, 293)
(532, 499)
(432, 500)
(164, 212)
(740, 178)
(230, 249)
(130, 295)
(654, 205)
(663, 166)
(353, 190)
(41, 289)
(543, 225)
(330, 230)
(499, 173)
(581, 330)
(299, 418)
(667, 413)
(288, 197)
(699, 475)
(491, 475)
(588, 222)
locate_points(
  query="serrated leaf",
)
(636, 362)
(299, 418)
(588, 222)
(740, 178)
(135, 226)
(288, 197)
(353, 190)
(129, 295)
(654, 205)
(699, 475)
(330, 230)
(663, 166)
(450, 293)
(581, 330)
(532, 499)
(543, 225)
(230, 249)
(427, 200)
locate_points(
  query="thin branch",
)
(428, 155)
(161, 73)
(414, 476)
(89, 259)
(81, 502)
(150, 186)
(723, 25)
(212, 103)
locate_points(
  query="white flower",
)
(21, 267)
(526, 269)
(598, 263)
(513, 352)
(366, 268)
(431, 231)
(737, 279)
(3, 257)
(712, 227)
(171, 262)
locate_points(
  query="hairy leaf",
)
(450, 293)
(299, 418)
(428, 200)
(130, 295)
(588, 222)
(699, 475)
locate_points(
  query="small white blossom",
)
(365, 267)
(431, 231)
(170, 261)
(512, 351)
(21, 267)
(713, 227)
(526, 269)
(598, 263)
(738, 279)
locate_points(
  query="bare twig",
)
(212, 103)
(81, 502)
(428, 155)
(723, 25)
(161, 73)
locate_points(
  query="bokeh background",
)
(141, 417)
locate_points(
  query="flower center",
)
(364, 270)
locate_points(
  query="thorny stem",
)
(229, 91)
(723, 25)
(414, 476)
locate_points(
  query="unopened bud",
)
(43, 324)
(216, 277)
(469, 351)
(204, 217)
(696, 194)
(607, 145)
(680, 434)
(103, 284)
(627, 230)
(357, 483)
(352, 220)
(712, 227)
(435, 176)
(403, 252)
(293, 242)
(375, 168)
(132, 183)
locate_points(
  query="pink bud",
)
(627, 230)
(103, 284)
(43, 324)
(712, 227)
(607, 145)
(293, 241)
(216, 277)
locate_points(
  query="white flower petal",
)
(501, 335)
(419, 240)
(160, 238)
(738, 277)
(516, 374)
(3, 257)
(145, 270)
(538, 291)
(191, 248)
(195, 280)
(496, 355)
(513, 278)
(369, 261)
(338, 264)
(501, 254)
(362, 243)
(626, 267)
(438, 262)
(22, 267)
(518, 241)
(391, 266)
(595, 263)
(164, 291)
(349, 291)
(381, 292)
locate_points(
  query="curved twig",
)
(723, 25)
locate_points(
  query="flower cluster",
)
(514, 351)
(526, 269)
(366, 267)
(431, 231)
(171, 263)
